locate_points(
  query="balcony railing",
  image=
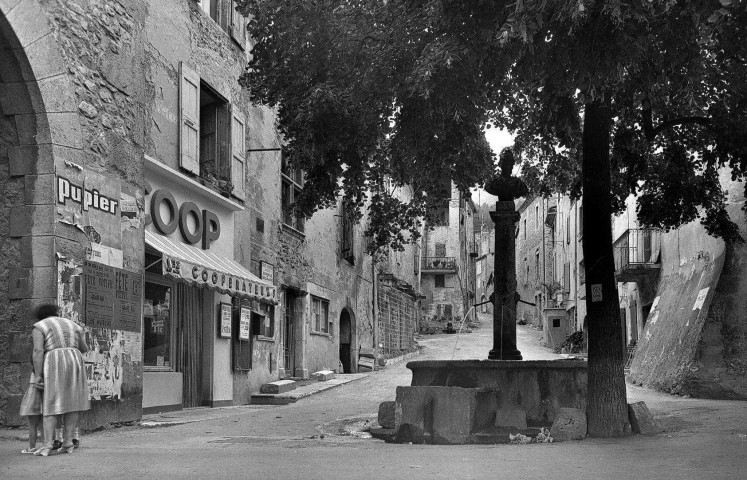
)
(636, 249)
(438, 264)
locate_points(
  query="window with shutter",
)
(238, 25)
(189, 119)
(238, 152)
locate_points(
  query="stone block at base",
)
(281, 386)
(323, 375)
(570, 424)
(641, 420)
(439, 415)
(386, 414)
(511, 417)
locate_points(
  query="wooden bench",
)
(366, 358)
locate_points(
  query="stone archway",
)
(38, 124)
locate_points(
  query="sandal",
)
(44, 452)
(30, 450)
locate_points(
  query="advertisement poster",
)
(245, 324)
(112, 297)
(225, 320)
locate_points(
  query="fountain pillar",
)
(504, 295)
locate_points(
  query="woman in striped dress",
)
(58, 344)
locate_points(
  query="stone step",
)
(280, 386)
(323, 375)
(271, 399)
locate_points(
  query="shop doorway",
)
(190, 313)
(346, 340)
(289, 334)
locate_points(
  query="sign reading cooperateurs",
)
(224, 282)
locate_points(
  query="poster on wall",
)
(267, 271)
(113, 297)
(245, 324)
(224, 313)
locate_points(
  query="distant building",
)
(447, 261)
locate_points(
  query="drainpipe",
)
(543, 295)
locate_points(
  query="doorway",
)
(289, 337)
(346, 339)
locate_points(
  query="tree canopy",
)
(612, 97)
(404, 89)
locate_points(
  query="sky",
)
(498, 139)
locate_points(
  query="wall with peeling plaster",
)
(80, 66)
(695, 338)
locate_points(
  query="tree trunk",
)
(607, 408)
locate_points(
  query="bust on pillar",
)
(507, 188)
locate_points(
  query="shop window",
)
(212, 136)
(292, 184)
(157, 322)
(320, 315)
(440, 281)
(347, 241)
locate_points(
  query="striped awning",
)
(205, 269)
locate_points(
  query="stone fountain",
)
(483, 401)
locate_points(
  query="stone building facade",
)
(534, 256)
(128, 151)
(447, 264)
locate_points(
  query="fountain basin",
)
(538, 387)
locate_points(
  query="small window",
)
(525, 229)
(440, 281)
(556, 322)
(265, 316)
(440, 250)
(320, 315)
(210, 7)
(292, 184)
(260, 225)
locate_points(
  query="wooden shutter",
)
(238, 25)
(238, 153)
(189, 119)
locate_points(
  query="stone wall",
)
(75, 104)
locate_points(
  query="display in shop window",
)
(245, 324)
(224, 313)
